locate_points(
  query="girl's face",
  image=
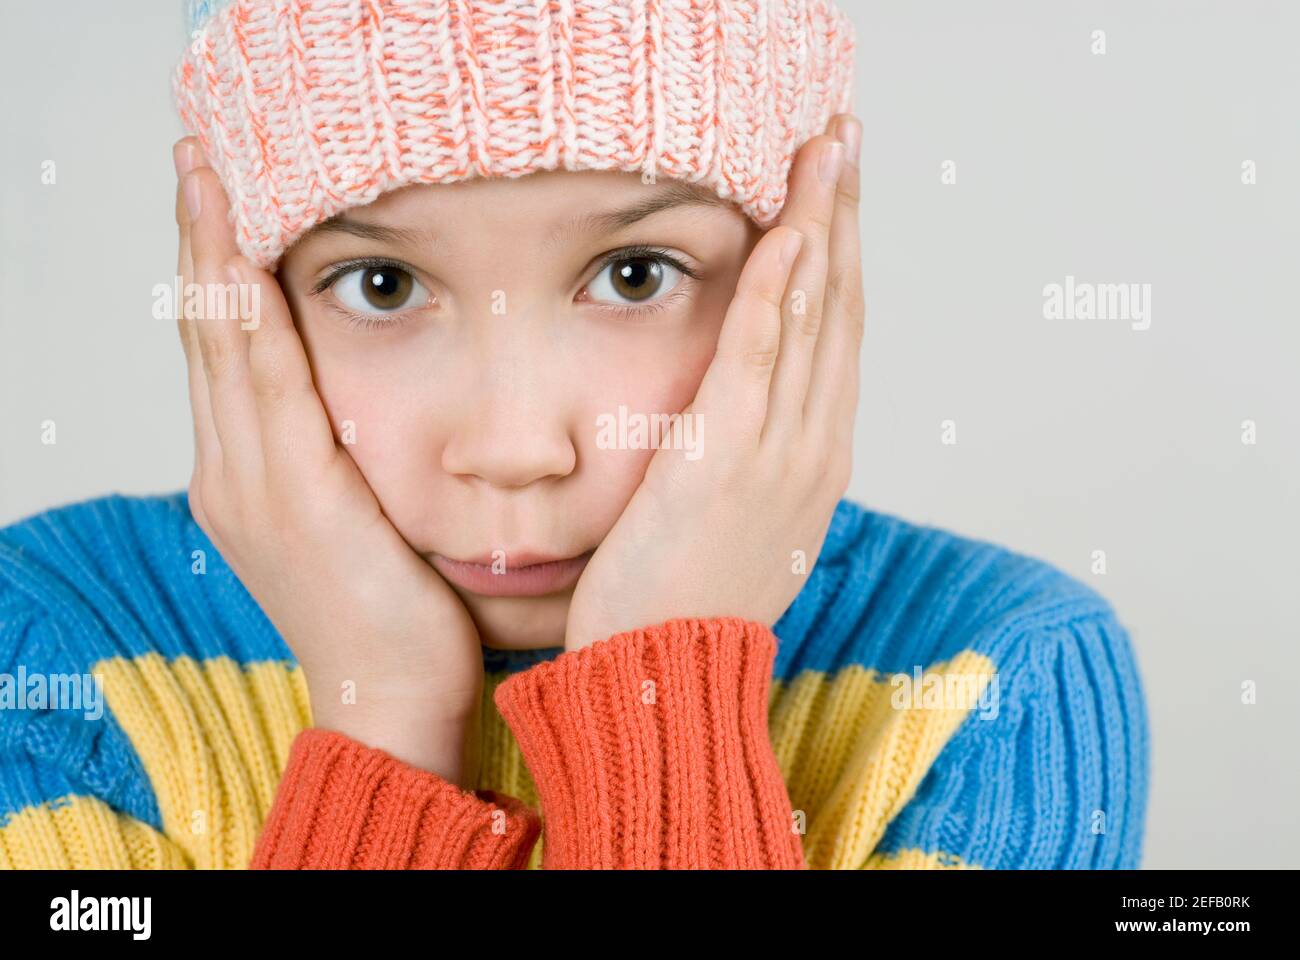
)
(476, 335)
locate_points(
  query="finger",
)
(810, 209)
(735, 387)
(832, 395)
(207, 450)
(297, 438)
(223, 345)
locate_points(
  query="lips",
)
(524, 574)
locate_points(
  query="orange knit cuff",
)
(344, 805)
(650, 750)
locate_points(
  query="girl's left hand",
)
(722, 534)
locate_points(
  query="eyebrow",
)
(400, 236)
(676, 193)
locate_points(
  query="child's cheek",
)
(386, 421)
(654, 364)
(631, 377)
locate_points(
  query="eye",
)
(635, 277)
(378, 288)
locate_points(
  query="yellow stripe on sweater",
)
(852, 759)
(80, 833)
(917, 860)
(214, 737)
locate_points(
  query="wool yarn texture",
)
(306, 108)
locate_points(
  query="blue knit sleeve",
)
(72, 790)
(1055, 777)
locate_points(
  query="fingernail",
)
(832, 162)
(850, 134)
(193, 196)
(185, 157)
(790, 249)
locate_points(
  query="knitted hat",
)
(308, 107)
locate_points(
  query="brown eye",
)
(379, 289)
(633, 280)
(637, 279)
(386, 288)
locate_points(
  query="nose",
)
(512, 431)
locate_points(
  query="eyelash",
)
(636, 251)
(354, 320)
(347, 266)
(640, 251)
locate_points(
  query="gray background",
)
(1073, 435)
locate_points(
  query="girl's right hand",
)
(295, 519)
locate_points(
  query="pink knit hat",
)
(308, 107)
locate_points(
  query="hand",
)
(295, 519)
(718, 535)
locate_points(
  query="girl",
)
(531, 447)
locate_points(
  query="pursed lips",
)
(523, 574)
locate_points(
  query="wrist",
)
(428, 739)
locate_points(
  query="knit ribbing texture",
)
(204, 702)
(306, 108)
(650, 750)
(344, 805)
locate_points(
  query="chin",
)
(520, 623)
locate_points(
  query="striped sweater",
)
(927, 701)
